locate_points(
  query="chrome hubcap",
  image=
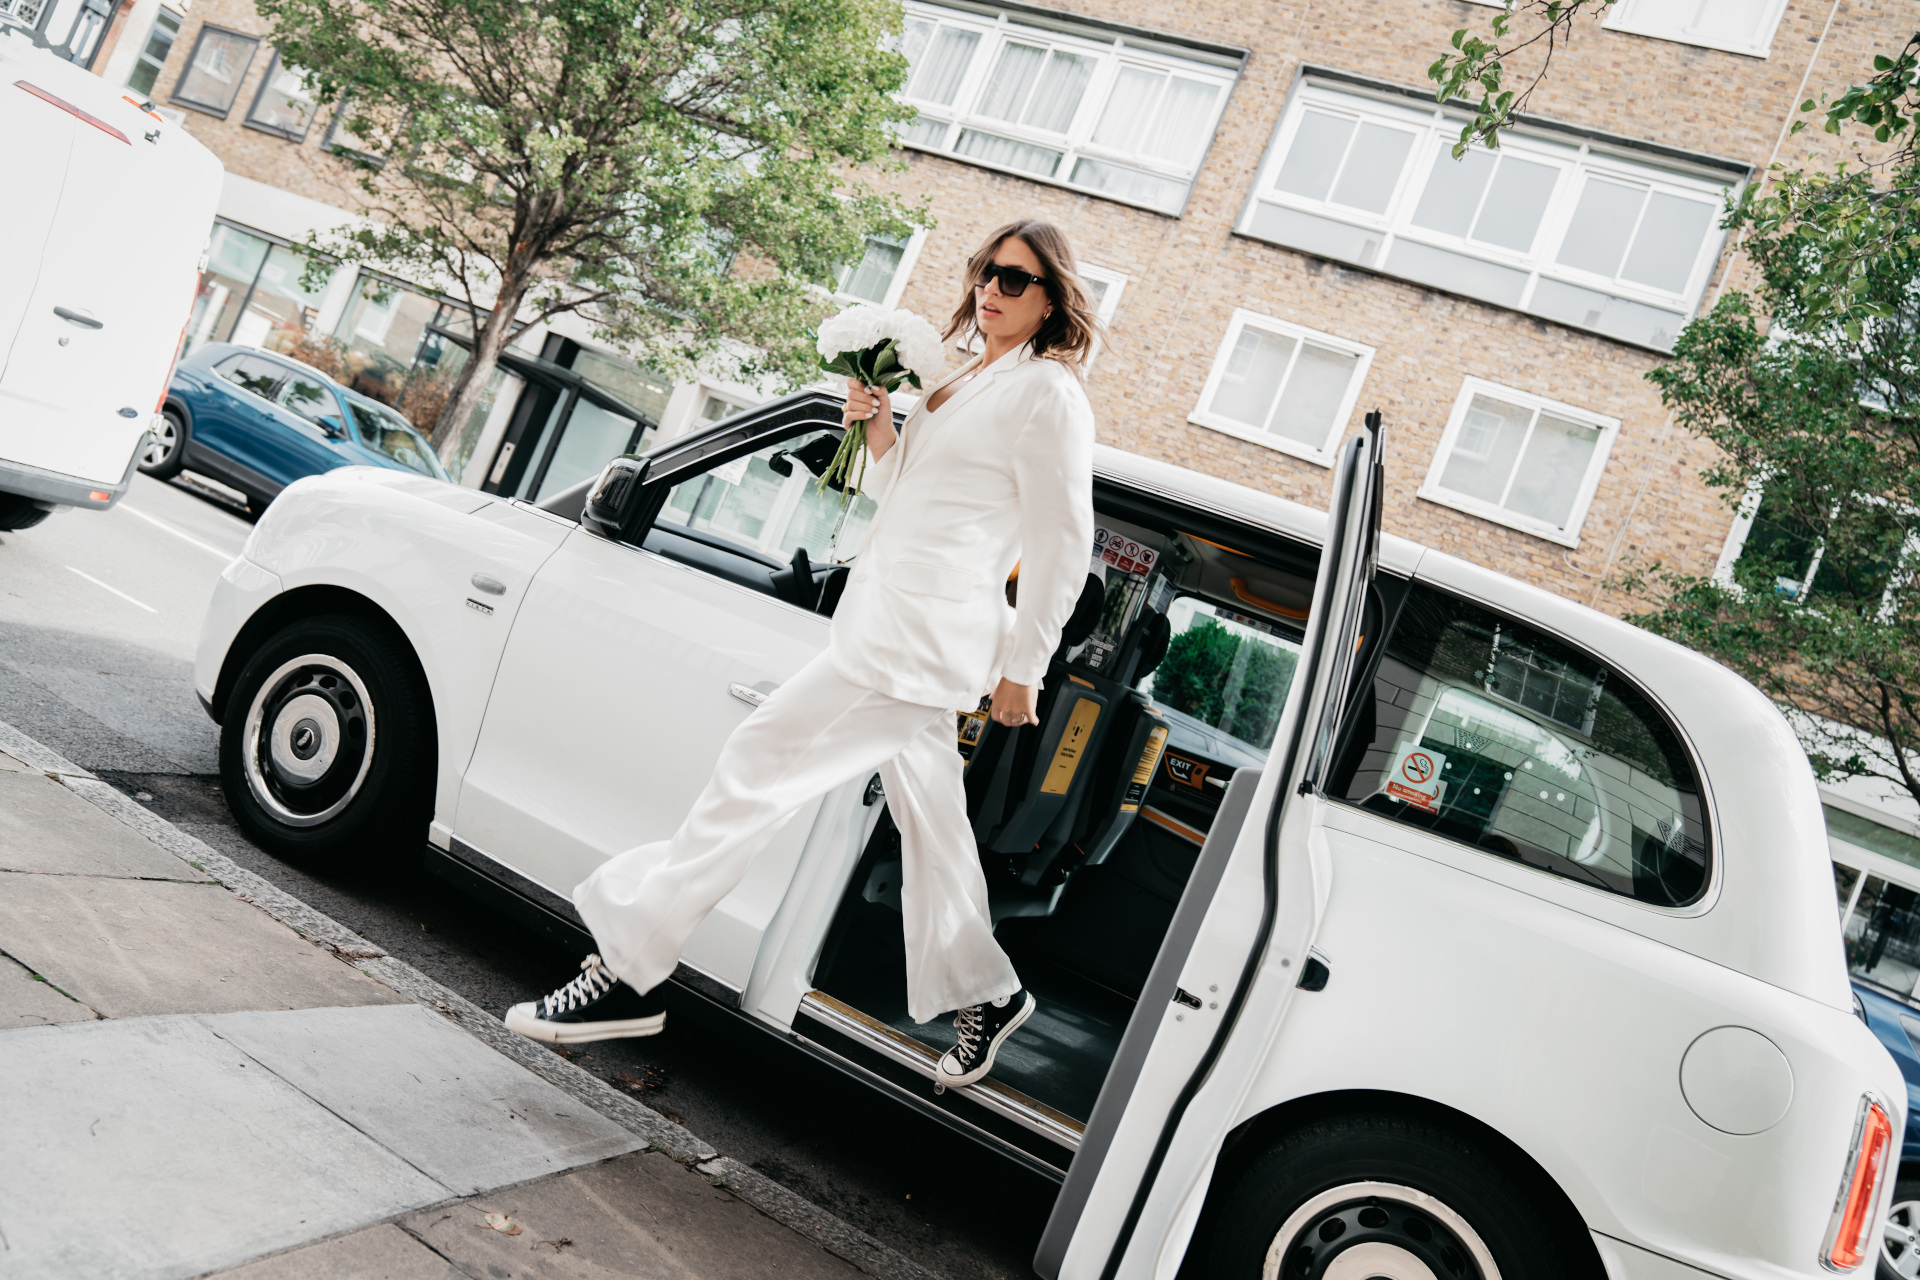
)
(160, 443)
(309, 740)
(1900, 1239)
(1377, 1231)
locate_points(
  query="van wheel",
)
(326, 744)
(164, 452)
(1392, 1198)
(1900, 1238)
(17, 512)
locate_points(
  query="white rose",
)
(857, 328)
(917, 343)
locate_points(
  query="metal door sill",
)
(1001, 1099)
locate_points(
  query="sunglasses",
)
(1013, 281)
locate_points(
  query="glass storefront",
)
(1879, 915)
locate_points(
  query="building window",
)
(1099, 112)
(219, 63)
(1519, 460)
(1562, 227)
(26, 12)
(1104, 287)
(1738, 26)
(283, 105)
(1283, 386)
(153, 55)
(881, 274)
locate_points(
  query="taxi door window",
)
(1507, 739)
(750, 502)
(1225, 669)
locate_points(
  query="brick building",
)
(1263, 199)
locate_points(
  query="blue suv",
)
(1897, 1024)
(259, 421)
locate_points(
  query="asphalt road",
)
(99, 618)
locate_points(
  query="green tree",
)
(675, 173)
(1810, 387)
(1193, 676)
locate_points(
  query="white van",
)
(105, 218)
(1388, 917)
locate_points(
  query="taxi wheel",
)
(1900, 1237)
(163, 452)
(326, 744)
(1392, 1198)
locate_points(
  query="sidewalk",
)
(199, 1074)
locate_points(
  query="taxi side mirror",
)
(615, 497)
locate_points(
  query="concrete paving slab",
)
(384, 1252)
(154, 1149)
(27, 1001)
(45, 827)
(429, 1092)
(134, 947)
(9, 765)
(640, 1215)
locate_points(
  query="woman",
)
(992, 469)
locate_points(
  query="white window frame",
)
(1575, 158)
(1110, 52)
(1431, 490)
(1323, 456)
(909, 254)
(1643, 18)
(1116, 282)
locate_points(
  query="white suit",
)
(1001, 474)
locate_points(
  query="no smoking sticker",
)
(1415, 777)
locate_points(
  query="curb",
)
(750, 1185)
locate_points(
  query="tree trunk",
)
(471, 385)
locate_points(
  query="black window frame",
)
(1391, 615)
(259, 95)
(240, 82)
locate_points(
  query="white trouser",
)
(815, 732)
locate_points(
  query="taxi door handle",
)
(747, 693)
(80, 318)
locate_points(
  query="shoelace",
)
(971, 1023)
(594, 981)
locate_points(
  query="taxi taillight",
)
(1850, 1234)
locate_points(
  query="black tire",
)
(1418, 1194)
(326, 744)
(17, 512)
(164, 452)
(1902, 1220)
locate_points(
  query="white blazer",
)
(1002, 474)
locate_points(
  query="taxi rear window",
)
(1501, 737)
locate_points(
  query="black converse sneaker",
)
(982, 1027)
(594, 1006)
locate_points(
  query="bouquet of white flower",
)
(880, 348)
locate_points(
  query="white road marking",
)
(117, 591)
(207, 547)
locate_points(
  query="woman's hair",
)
(1069, 332)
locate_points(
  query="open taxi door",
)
(1239, 952)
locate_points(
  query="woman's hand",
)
(872, 405)
(1015, 704)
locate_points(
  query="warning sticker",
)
(1123, 553)
(1415, 777)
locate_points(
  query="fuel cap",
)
(1736, 1080)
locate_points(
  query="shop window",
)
(1738, 26)
(1550, 224)
(1510, 741)
(625, 381)
(234, 259)
(382, 330)
(280, 309)
(1882, 937)
(750, 502)
(1078, 107)
(1283, 386)
(153, 54)
(284, 104)
(219, 63)
(1519, 460)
